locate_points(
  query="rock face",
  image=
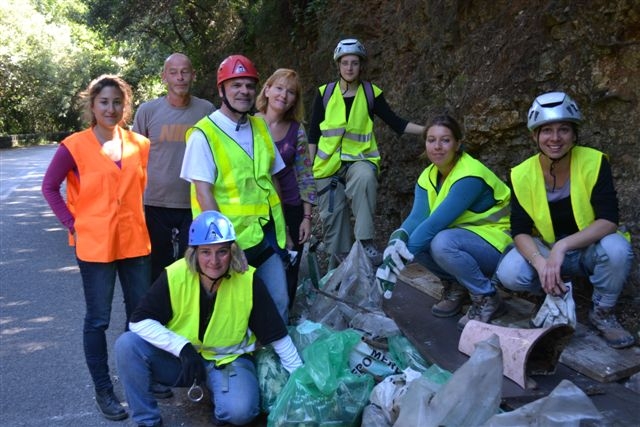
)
(484, 62)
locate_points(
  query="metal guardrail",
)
(19, 140)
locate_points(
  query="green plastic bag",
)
(323, 392)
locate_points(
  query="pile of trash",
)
(360, 370)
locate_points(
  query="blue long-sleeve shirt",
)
(422, 225)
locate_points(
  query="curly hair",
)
(88, 96)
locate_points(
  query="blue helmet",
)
(211, 227)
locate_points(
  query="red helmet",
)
(235, 66)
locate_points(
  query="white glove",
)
(396, 255)
(556, 310)
(386, 280)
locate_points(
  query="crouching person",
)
(199, 323)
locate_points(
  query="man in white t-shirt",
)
(165, 121)
(230, 160)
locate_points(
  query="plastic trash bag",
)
(405, 354)
(323, 392)
(272, 377)
(307, 332)
(367, 359)
(557, 310)
(469, 398)
(374, 326)
(565, 406)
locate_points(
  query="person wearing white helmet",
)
(198, 325)
(564, 218)
(345, 154)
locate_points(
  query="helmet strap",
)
(243, 114)
(214, 281)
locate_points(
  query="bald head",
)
(178, 75)
(177, 60)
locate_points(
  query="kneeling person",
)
(199, 323)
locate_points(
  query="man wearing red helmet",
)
(230, 160)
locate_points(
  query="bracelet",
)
(533, 256)
(307, 216)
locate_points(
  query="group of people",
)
(557, 219)
(202, 215)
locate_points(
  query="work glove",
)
(556, 310)
(192, 365)
(386, 279)
(396, 255)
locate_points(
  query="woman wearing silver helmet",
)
(199, 324)
(344, 151)
(564, 217)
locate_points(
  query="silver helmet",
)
(552, 107)
(349, 47)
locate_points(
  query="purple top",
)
(296, 179)
(61, 164)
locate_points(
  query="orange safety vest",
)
(105, 200)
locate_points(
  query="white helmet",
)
(552, 107)
(349, 47)
(211, 227)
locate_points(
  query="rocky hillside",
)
(484, 61)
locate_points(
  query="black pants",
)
(293, 215)
(162, 224)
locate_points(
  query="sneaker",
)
(454, 296)
(604, 320)
(109, 405)
(483, 309)
(160, 391)
(375, 256)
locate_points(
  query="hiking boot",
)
(109, 405)
(604, 320)
(454, 296)
(160, 391)
(483, 309)
(374, 255)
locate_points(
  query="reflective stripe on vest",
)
(343, 140)
(227, 335)
(529, 188)
(107, 207)
(244, 189)
(492, 225)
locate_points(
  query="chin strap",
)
(243, 114)
(553, 162)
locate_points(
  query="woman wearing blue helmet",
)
(199, 324)
(564, 217)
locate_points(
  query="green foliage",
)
(45, 59)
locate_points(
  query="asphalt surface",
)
(43, 377)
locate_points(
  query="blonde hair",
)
(88, 96)
(296, 112)
(236, 264)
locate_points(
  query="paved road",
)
(43, 377)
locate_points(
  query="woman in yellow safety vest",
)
(345, 154)
(198, 325)
(458, 226)
(564, 217)
(105, 168)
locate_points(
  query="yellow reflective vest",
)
(227, 335)
(244, 189)
(492, 225)
(528, 185)
(344, 140)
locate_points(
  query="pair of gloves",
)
(556, 310)
(394, 259)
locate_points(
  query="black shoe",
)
(109, 405)
(160, 391)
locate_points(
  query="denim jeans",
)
(456, 254)
(98, 281)
(272, 273)
(234, 389)
(606, 263)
